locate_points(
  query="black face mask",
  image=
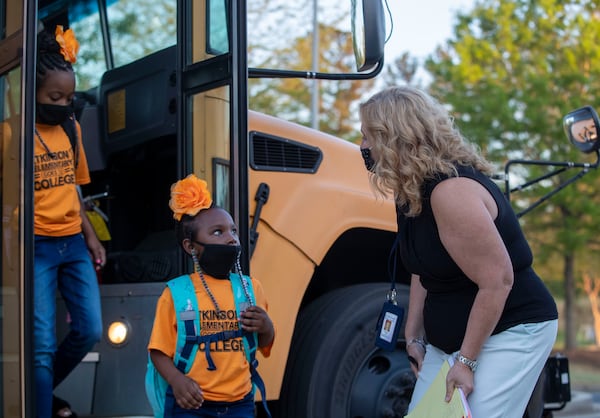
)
(50, 114)
(369, 161)
(218, 260)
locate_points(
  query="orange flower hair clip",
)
(69, 46)
(189, 196)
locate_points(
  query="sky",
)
(421, 25)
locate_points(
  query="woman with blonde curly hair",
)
(474, 295)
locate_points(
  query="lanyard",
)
(392, 270)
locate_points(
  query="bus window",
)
(210, 144)
(91, 62)
(135, 30)
(11, 16)
(84, 18)
(138, 29)
(218, 36)
(211, 40)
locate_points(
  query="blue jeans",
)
(63, 264)
(244, 408)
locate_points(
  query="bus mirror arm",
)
(261, 197)
(309, 75)
(564, 166)
(581, 127)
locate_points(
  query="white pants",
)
(509, 365)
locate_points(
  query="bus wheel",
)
(335, 370)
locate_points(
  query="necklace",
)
(210, 295)
(50, 153)
(72, 140)
(243, 280)
(214, 300)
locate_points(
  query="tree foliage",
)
(280, 36)
(137, 29)
(402, 70)
(510, 72)
(292, 48)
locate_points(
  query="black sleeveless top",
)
(450, 294)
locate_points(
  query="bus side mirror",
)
(368, 33)
(581, 127)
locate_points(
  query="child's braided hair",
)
(49, 57)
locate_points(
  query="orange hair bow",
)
(189, 196)
(69, 46)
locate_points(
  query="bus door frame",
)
(19, 50)
(230, 69)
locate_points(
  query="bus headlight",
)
(118, 332)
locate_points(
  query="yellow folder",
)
(433, 404)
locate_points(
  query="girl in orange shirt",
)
(209, 235)
(65, 242)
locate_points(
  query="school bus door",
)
(213, 120)
(17, 96)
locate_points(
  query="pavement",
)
(582, 405)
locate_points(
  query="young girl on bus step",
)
(65, 242)
(224, 388)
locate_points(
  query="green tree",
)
(291, 98)
(511, 70)
(402, 70)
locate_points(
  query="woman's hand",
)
(459, 376)
(416, 354)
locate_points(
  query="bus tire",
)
(335, 370)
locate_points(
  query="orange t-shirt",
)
(57, 208)
(231, 381)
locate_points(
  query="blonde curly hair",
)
(414, 139)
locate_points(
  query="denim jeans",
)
(63, 264)
(244, 408)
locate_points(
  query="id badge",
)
(388, 326)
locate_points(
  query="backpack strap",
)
(186, 309)
(207, 339)
(250, 339)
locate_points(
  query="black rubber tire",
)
(335, 370)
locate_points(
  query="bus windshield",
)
(133, 30)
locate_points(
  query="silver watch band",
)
(471, 364)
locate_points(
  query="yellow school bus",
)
(152, 112)
(311, 228)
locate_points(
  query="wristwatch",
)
(471, 364)
(419, 341)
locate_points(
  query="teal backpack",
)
(186, 308)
